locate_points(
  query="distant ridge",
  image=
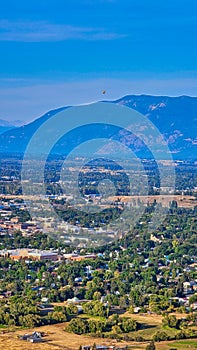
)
(175, 118)
(5, 126)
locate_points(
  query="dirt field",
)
(57, 339)
(183, 201)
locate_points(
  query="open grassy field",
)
(185, 201)
(150, 324)
(182, 201)
(58, 339)
(179, 345)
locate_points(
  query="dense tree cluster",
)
(114, 324)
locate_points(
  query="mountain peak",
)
(174, 117)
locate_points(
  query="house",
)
(74, 300)
(35, 337)
(136, 310)
(189, 287)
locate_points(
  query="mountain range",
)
(175, 118)
(8, 125)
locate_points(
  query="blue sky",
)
(65, 52)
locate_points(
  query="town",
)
(115, 282)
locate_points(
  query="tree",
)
(71, 309)
(170, 321)
(128, 325)
(123, 302)
(95, 308)
(193, 299)
(160, 336)
(113, 319)
(77, 326)
(151, 346)
(57, 316)
(29, 321)
(97, 296)
(116, 329)
(92, 326)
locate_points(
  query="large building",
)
(18, 254)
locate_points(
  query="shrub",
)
(139, 339)
(170, 321)
(128, 325)
(151, 346)
(180, 335)
(160, 336)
